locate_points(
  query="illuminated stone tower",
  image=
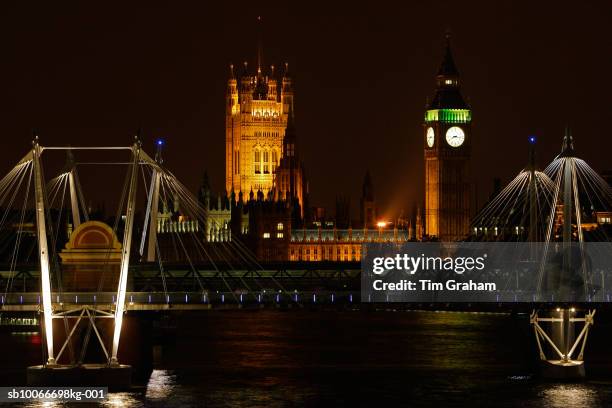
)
(447, 137)
(255, 124)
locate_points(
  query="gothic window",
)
(257, 162)
(280, 226)
(266, 162)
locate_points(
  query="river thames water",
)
(271, 358)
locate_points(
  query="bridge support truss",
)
(83, 313)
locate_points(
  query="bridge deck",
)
(137, 301)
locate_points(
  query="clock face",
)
(430, 137)
(455, 136)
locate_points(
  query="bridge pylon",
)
(111, 372)
(43, 248)
(125, 255)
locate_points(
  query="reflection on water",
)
(570, 396)
(46, 404)
(122, 399)
(160, 386)
(324, 358)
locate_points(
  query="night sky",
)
(91, 73)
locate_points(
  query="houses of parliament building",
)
(265, 203)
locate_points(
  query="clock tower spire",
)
(447, 137)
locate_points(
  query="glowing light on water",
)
(121, 399)
(570, 396)
(161, 385)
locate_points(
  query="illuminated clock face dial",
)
(431, 136)
(455, 136)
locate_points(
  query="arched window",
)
(266, 162)
(257, 162)
(236, 162)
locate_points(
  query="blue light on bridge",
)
(332, 298)
(222, 298)
(532, 139)
(160, 142)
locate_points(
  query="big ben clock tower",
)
(448, 141)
